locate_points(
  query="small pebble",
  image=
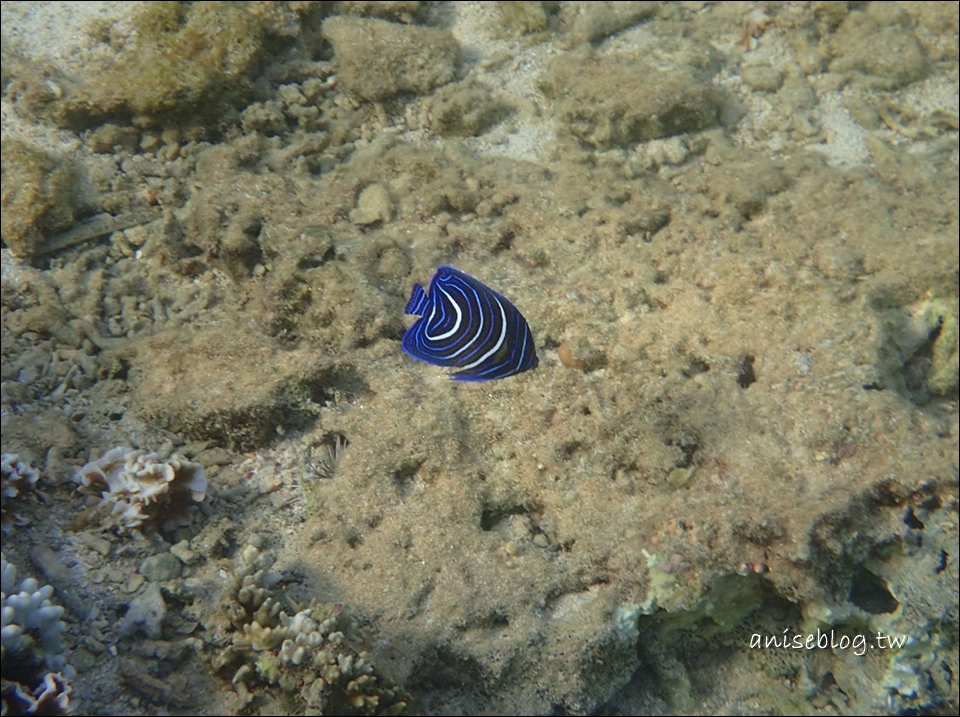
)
(134, 582)
(182, 551)
(160, 567)
(762, 78)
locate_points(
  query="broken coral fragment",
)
(18, 479)
(51, 696)
(143, 486)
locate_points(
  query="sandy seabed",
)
(732, 228)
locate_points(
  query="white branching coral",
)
(142, 487)
(30, 620)
(35, 673)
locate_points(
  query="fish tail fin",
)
(418, 302)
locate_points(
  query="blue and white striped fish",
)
(467, 325)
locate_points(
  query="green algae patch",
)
(675, 604)
(188, 61)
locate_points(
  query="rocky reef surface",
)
(731, 486)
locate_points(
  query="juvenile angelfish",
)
(466, 325)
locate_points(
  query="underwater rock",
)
(855, 52)
(179, 378)
(145, 614)
(608, 102)
(465, 109)
(41, 196)
(377, 59)
(591, 21)
(373, 205)
(186, 63)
